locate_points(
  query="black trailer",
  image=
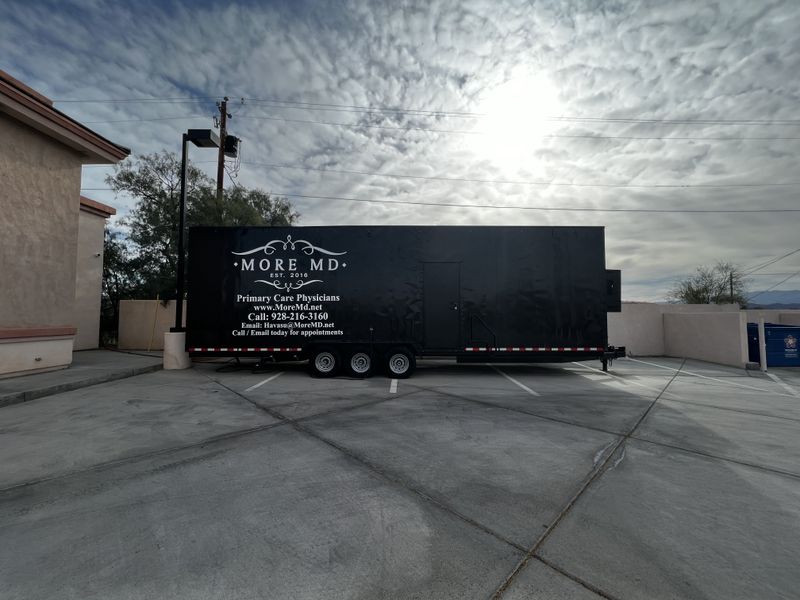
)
(355, 299)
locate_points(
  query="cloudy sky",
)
(594, 105)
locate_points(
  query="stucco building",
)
(51, 239)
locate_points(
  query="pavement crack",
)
(744, 411)
(593, 475)
(718, 457)
(592, 588)
(619, 460)
(103, 466)
(512, 409)
(298, 425)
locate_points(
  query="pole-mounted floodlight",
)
(202, 138)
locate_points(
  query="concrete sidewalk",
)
(89, 367)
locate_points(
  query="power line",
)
(773, 287)
(231, 177)
(542, 208)
(531, 183)
(401, 110)
(523, 182)
(154, 100)
(550, 135)
(537, 208)
(173, 118)
(458, 131)
(450, 113)
(769, 262)
(355, 108)
(682, 121)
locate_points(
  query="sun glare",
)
(516, 117)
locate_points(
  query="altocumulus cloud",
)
(509, 64)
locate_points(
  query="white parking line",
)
(393, 387)
(514, 381)
(685, 372)
(620, 379)
(260, 383)
(783, 384)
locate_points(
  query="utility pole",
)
(731, 274)
(223, 124)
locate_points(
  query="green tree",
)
(242, 207)
(154, 181)
(121, 280)
(144, 264)
(723, 283)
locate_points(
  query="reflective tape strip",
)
(245, 349)
(535, 349)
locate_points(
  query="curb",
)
(20, 397)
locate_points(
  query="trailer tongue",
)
(358, 299)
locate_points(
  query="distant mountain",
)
(776, 299)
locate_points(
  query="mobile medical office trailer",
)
(355, 299)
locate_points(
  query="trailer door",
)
(442, 305)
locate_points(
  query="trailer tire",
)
(325, 362)
(400, 363)
(359, 363)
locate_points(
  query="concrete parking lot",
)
(661, 479)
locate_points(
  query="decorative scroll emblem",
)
(290, 272)
(288, 285)
(790, 342)
(305, 247)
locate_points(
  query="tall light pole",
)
(202, 138)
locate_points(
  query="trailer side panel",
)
(439, 289)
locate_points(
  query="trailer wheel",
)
(360, 363)
(325, 362)
(400, 363)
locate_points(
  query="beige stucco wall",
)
(784, 317)
(89, 280)
(640, 325)
(788, 318)
(714, 337)
(143, 323)
(40, 182)
(639, 328)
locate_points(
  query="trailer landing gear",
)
(605, 362)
